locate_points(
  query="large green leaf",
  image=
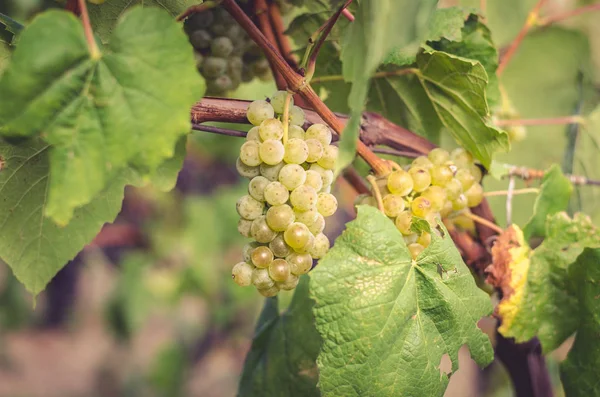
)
(104, 17)
(5, 53)
(282, 359)
(127, 108)
(457, 88)
(579, 372)
(386, 320)
(543, 305)
(554, 196)
(31, 244)
(378, 27)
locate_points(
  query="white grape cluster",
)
(225, 54)
(432, 187)
(288, 196)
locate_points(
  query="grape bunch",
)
(432, 187)
(288, 196)
(225, 54)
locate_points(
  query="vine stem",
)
(297, 83)
(531, 21)
(513, 192)
(569, 14)
(545, 121)
(89, 34)
(375, 189)
(266, 31)
(348, 15)
(531, 173)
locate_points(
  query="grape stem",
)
(484, 222)
(528, 174)
(89, 34)
(514, 192)
(375, 189)
(286, 116)
(546, 121)
(569, 14)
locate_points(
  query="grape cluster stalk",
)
(442, 185)
(288, 196)
(225, 54)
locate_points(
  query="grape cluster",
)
(225, 54)
(288, 196)
(431, 187)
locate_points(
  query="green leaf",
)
(165, 176)
(543, 305)
(5, 54)
(554, 196)
(11, 25)
(128, 108)
(378, 27)
(579, 372)
(32, 245)
(457, 88)
(281, 361)
(104, 17)
(386, 320)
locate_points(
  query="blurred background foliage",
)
(160, 315)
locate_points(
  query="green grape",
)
(244, 227)
(393, 204)
(219, 85)
(296, 151)
(279, 270)
(256, 187)
(446, 209)
(278, 101)
(236, 34)
(306, 247)
(303, 198)
(411, 238)
(245, 170)
(420, 207)
(326, 175)
(461, 158)
(299, 263)
(214, 67)
(474, 195)
(261, 256)
(436, 195)
(290, 283)
(200, 39)
(326, 204)
(421, 178)
(259, 111)
(292, 176)
(320, 132)
(199, 59)
(261, 279)
(453, 189)
(249, 208)
(404, 222)
(268, 292)
(279, 246)
(271, 172)
(441, 175)
(247, 251)
(295, 132)
(271, 129)
(465, 178)
(297, 235)
(366, 199)
(276, 193)
(459, 203)
(235, 65)
(242, 274)
(249, 153)
(432, 218)
(261, 68)
(320, 246)
(476, 172)
(329, 158)
(438, 156)
(279, 217)
(271, 151)
(424, 239)
(400, 182)
(318, 225)
(516, 133)
(218, 29)
(199, 20)
(315, 150)
(221, 47)
(314, 180)
(296, 115)
(422, 162)
(253, 135)
(415, 249)
(463, 222)
(261, 231)
(307, 217)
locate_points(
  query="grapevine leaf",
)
(11, 25)
(165, 176)
(457, 88)
(5, 54)
(104, 17)
(378, 27)
(554, 197)
(539, 302)
(127, 108)
(387, 320)
(32, 245)
(282, 359)
(579, 372)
